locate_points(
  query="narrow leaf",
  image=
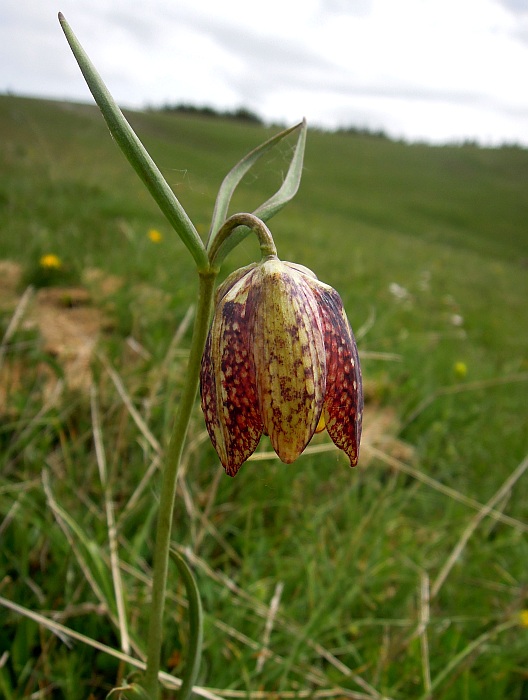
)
(136, 153)
(265, 211)
(194, 652)
(291, 182)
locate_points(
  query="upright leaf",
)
(269, 208)
(194, 651)
(136, 153)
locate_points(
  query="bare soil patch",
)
(68, 322)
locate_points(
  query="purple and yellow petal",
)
(228, 388)
(281, 359)
(343, 406)
(288, 350)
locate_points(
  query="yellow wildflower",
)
(154, 235)
(523, 615)
(50, 262)
(460, 370)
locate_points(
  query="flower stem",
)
(169, 482)
(265, 239)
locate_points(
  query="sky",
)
(438, 71)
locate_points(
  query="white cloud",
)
(428, 69)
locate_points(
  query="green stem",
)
(267, 244)
(169, 480)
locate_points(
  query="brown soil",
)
(67, 321)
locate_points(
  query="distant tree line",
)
(362, 131)
(242, 114)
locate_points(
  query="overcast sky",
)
(434, 70)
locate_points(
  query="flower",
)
(155, 236)
(280, 359)
(460, 369)
(523, 618)
(50, 262)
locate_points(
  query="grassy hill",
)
(405, 578)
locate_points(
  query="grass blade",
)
(111, 523)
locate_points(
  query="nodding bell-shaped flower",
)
(280, 359)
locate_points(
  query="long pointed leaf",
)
(136, 153)
(194, 652)
(291, 182)
(265, 211)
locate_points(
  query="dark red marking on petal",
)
(228, 389)
(343, 406)
(288, 350)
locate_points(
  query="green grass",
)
(371, 605)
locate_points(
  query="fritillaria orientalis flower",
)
(280, 359)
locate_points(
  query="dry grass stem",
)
(145, 482)
(312, 675)
(63, 521)
(292, 694)
(446, 490)
(17, 316)
(376, 355)
(134, 413)
(475, 522)
(422, 630)
(137, 348)
(50, 403)
(168, 360)
(9, 517)
(273, 608)
(110, 521)
(462, 388)
(206, 525)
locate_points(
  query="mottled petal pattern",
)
(280, 359)
(288, 349)
(228, 388)
(343, 406)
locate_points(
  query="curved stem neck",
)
(267, 244)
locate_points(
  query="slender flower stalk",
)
(259, 228)
(169, 482)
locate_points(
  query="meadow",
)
(404, 578)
